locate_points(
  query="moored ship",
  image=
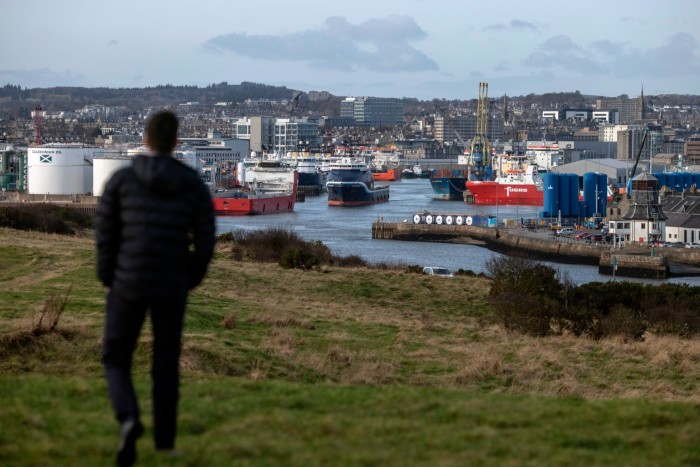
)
(264, 185)
(415, 172)
(310, 174)
(386, 174)
(516, 186)
(309, 165)
(449, 184)
(386, 168)
(264, 197)
(350, 183)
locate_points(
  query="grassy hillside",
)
(337, 366)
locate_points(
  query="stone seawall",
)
(635, 263)
(495, 239)
(631, 265)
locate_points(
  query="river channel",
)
(348, 231)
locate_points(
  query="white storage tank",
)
(60, 169)
(104, 167)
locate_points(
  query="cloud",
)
(562, 51)
(112, 43)
(43, 78)
(606, 47)
(515, 24)
(379, 44)
(678, 55)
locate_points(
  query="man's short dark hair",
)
(161, 131)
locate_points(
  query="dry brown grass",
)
(361, 326)
(497, 360)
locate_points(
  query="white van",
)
(434, 271)
(565, 231)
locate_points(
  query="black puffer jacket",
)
(148, 218)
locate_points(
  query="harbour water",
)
(348, 231)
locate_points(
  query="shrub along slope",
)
(334, 365)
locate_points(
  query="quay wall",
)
(633, 262)
(495, 239)
(631, 265)
(84, 203)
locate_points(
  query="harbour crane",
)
(636, 162)
(481, 146)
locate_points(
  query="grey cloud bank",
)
(380, 45)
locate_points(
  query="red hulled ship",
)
(266, 197)
(516, 186)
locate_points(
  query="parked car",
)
(596, 238)
(565, 231)
(582, 236)
(435, 271)
(692, 245)
(605, 230)
(673, 244)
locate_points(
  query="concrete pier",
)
(631, 262)
(631, 265)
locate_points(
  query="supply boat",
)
(515, 186)
(262, 187)
(350, 183)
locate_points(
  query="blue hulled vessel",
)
(350, 183)
(449, 184)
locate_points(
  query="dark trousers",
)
(123, 326)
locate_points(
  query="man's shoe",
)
(131, 430)
(170, 453)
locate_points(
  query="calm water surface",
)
(348, 231)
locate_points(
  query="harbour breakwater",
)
(630, 261)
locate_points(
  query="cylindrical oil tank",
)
(602, 194)
(661, 177)
(674, 181)
(687, 180)
(564, 204)
(590, 182)
(582, 209)
(60, 169)
(104, 166)
(574, 194)
(551, 194)
(696, 180)
(6, 180)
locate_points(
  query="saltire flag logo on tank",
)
(45, 158)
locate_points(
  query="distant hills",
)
(62, 98)
(16, 101)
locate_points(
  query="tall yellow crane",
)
(481, 147)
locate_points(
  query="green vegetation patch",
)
(276, 422)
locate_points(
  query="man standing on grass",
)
(155, 237)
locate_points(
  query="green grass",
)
(336, 367)
(224, 421)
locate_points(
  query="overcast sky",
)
(391, 48)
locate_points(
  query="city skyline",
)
(414, 48)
